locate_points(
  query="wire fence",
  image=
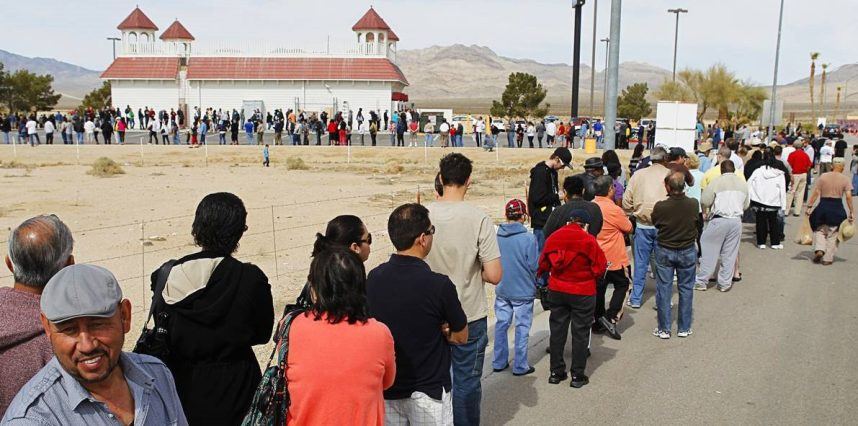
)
(278, 240)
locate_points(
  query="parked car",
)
(464, 120)
(550, 119)
(832, 131)
(498, 122)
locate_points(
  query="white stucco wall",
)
(158, 94)
(312, 96)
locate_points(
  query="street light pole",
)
(676, 36)
(607, 42)
(114, 40)
(593, 59)
(613, 75)
(775, 78)
(576, 57)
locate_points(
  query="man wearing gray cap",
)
(38, 248)
(90, 381)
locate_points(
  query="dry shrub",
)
(105, 167)
(14, 164)
(393, 167)
(296, 163)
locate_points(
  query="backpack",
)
(271, 400)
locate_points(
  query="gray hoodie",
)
(24, 347)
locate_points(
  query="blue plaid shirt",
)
(53, 397)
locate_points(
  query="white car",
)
(498, 122)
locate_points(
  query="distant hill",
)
(70, 80)
(477, 72)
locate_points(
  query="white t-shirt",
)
(826, 154)
(89, 127)
(49, 127)
(465, 239)
(444, 128)
(481, 126)
(31, 127)
(551, 128)
(787, 151)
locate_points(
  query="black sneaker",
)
(498, 370)
(610, 328)
(556, 378)
(579, 381)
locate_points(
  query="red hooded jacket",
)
(574, 259)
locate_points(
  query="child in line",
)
(517, 289)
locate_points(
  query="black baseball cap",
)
(676, 153)
(564, 155)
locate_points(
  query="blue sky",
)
(739, 33)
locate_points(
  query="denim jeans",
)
(34, 139)
(467, 369)
(6, 138)
(430, 140)
(222, 138)
(510, 139)
(79, 137)
(505, 310)
(854, 183)
(644, 247)
(249, 138)
(540, 243)
(683, 262)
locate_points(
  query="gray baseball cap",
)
(81, 291)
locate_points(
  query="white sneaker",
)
(778, 247)
(762, 246)
(661, 334)
(684, 333)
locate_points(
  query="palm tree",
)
(813, 57)
(822, 91)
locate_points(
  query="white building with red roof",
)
(177, 71)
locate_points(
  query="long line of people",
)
(406, 342)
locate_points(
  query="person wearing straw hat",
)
(828, 215)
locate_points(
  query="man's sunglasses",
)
(430, 231)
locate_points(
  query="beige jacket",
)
(645, 188)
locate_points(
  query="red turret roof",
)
(137, 20)
(372, 21)
(176, 31)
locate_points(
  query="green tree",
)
(632, 103)
(521, 97)
(98, 98)
(749, 104)
(674, 91)
(25, 91)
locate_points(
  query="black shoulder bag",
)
(155, 341)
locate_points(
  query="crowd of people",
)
(405, 342)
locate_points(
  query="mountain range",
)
(450, 75)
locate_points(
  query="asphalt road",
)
(780, 348)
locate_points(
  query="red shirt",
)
(332, 126)
(800, 162)
(337, 372)
(574, 259)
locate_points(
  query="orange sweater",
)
(615, 224)
(337, 372)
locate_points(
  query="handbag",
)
(155, 341)
(271, 400)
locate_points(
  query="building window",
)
(370, 38)
(144, 38)
(132, 37)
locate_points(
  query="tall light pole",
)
(676, 36)
(775, 78)
(607, 42)
(576, 57)
(114, 40)
(613, 75)
(593, 59)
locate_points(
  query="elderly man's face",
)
(88, 348)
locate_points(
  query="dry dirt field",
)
(130, 223)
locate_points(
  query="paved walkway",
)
(780, 348)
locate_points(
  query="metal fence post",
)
(274, 241)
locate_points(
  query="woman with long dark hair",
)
(217, 308)
(340, 360)
(637, 154)
(345, 231)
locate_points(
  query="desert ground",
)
(130, 223)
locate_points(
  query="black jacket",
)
(542, 196)
(560, 216)
(212, 328)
